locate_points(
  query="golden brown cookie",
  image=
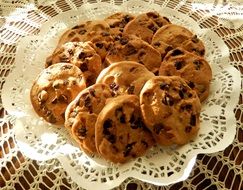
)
(82, 112)
(134, 49)
(98, 32)
(194, 69)
(54, 89)
(170, 110)
(120, 133)
(172, 36)
(145, 25)
(117, 22)
(80, 54)
(125, 77)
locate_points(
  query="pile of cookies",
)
(122, 84)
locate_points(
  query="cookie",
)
(145, 25)
(194, 69)
(172, 36)
(125, 77)
(80, 54)
(98, 32)
(117, 22)
(54, 89)
(134, 49)
(120, 133)
(82, 112)
(170, 110)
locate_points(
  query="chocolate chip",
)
(177, 52)
(141, 54)
(49, 62)
(70, 51)
(157, 44)
(105, 33)
(62, 99)
(66, 67)
(71, 34)
(132, 69)
(123, 41)
(144, 143)
(179, 65)
(64, 59)
(107, 124)
(76, 27)
(127, 18)
(166, 19)
(83, 67)
(82, 131)
(152, 14)
(114, 86)
(120, 115)
(121, 29)
(130, 89)
(195, 39)
(87, 102)
(167, 100)
(188, 129)
(130, 50)
(152, 27)
(83, 31)
(168, 48)
(202, 52)
(54, 101)
(158, 127)
(197, 64)
(164, 86)
(82, 55)
(159, 23)
(187, 107)
(51, 118)
(111, 138)
(193, 120)
(128, 149)
(191, 84)
(92, 92)
(99, 45)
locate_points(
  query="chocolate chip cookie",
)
(117, 22)
(170, 110)
(134, 49)
(120, 133)
(194, 69)
(54, 89)
(80, 54)
(125, 77)
(82, 112)
(145, 25)
(98, 32)
(172, 36)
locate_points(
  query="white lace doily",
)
(41, 141)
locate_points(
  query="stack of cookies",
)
(122, 84)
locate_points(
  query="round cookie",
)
(82, 112)
(170, 110)
(125, 77)
(80, 54)
(134, 49)
(54, 89)
(117, 22)
(172, 36)
(120, 133)
(145, 25)
(194, 69)
(98, 32)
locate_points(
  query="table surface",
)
(221, 170)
